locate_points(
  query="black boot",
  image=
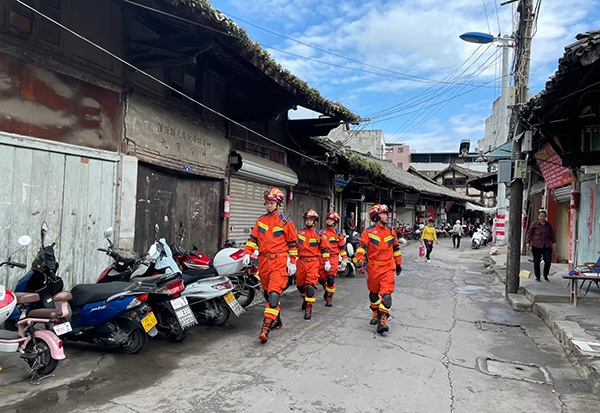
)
(308, 311)
(328, 298)
(375, 318)
(382, 325)
(266, 328)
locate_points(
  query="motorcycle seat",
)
(24, 298)
(9, 335)
(191, 276)
(44, 313)
(90, 293)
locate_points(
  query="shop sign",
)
(157, 130)
(550, 164)
(412, 198)
(341, 182)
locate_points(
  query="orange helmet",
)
(311, 213)
(376, 210)
(334, 215)
(274, 194)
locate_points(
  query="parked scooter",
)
(40, 348)
(478, 239)
(112, 316)
(173, 313)
(349, 269)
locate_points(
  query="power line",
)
(399, 75)
(498, 18)
(426, 93)
(486, 17)
(443, 90)
(163, 83)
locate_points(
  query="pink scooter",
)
(41, 349)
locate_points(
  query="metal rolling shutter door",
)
(247, 204)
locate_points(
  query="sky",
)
(405, 67)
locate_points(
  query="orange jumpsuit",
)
(337, 246)
(275, 237)
(381, 247)
(312, 249)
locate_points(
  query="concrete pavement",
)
(454, 346)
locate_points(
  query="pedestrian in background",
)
(429, 235)
(349, 225)
(456, 234)
(541, 237)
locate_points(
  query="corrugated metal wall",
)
(588, 247)
(247, 204)
(75, 195)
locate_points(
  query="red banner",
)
(550, 164)
(571, 234)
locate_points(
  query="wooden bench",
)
(574, 279)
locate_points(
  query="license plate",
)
(179, 303)
(229, 297)
(149, 321)
(183, 312)
(63, 328)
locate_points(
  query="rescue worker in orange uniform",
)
(384, 258)
(274, 235)
(336, 243)
(312, 249)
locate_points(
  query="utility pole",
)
(523, 55)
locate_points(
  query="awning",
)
(474, 207)
(502, 152)
(259, 169)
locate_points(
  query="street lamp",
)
(505, 43)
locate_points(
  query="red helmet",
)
(334, 215)
(274, 194)
(311, 213)
(376, 210)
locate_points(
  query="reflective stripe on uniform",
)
(398, 254)
(271, 311)
(310, 299)
(330, 289)
(252, 245)
(383, 309)
(376, 303)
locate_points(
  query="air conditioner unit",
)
(421, 208)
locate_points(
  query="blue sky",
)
(411, 44)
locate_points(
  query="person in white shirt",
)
(456, 234)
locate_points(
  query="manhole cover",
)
(512, 370)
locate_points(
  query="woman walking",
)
(429, 235)
(541, 237)
(456, 234)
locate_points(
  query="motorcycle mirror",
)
(44, 228)
(194, 248)
(24, 240)
(108, 233)
(156, 229)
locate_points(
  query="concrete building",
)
(399, 154)
(368, 142)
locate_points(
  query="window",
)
(400, 165)
(400, 149)
(23, 21)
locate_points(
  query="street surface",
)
(454, 346)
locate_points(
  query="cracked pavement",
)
(447, 316)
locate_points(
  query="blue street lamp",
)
(477, 37)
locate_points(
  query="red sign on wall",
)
(550, 164)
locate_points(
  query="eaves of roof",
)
(252, 51)
(386, 170)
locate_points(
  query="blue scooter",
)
(111, 315)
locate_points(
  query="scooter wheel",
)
(223, 316)
(243, 292)
(135, 342)
(44, 359)
(172, 327)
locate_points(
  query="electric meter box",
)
(504, 171)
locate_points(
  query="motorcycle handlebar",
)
(13, 264)
(103, 250)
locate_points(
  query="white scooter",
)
(478, 239)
